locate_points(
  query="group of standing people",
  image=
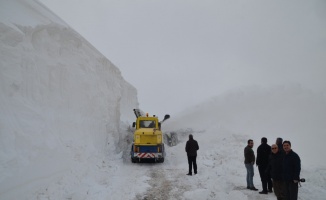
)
(278, 165)
(279, 168)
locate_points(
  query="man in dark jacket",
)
(263, 153)
(275, 169)
(249, 163)
(191, 149)
(279, 143)
(291, 171)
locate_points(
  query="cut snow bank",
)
(61, 101)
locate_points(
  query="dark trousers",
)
(291, 190)
(278, 186)
(265, 178)
(192, 162)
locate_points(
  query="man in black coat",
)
(279, 143)
(291, 171)
(275, 168)
(191, 149)
(263, 153)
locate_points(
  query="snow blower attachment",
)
(148, 138)
(171, 138)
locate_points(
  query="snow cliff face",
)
(61, 100)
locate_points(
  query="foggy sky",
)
(180, 53)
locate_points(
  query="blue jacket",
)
(291, 166)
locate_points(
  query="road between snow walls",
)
(221, 172)
(217, 173)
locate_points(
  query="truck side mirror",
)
(133, 124)
(166, 117)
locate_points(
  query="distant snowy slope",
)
(222, 126)
(288, 111)
(61, 101)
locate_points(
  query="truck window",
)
(147, 124)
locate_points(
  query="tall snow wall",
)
(61, 100)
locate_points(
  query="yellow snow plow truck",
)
(148, 138)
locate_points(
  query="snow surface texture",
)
(65, 113)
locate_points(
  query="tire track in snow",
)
(164, 185)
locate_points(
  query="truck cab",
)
(148, 139)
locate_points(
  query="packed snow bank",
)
(61, 102)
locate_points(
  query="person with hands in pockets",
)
(249, 162)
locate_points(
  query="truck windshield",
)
(147, 124)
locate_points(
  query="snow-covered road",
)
(221, 172)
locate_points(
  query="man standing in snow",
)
(275, 168)
(249, 163)
(191, 149)
(279, 143)
(291, 171)
(263, 153)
